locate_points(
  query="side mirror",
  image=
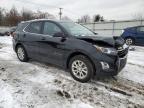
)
(59, 34)
(95, 33)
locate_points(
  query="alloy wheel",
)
(79, 69)
(20, 53)
(129, 41)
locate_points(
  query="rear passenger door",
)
(140, 35)
(31, 36)
(51, 48)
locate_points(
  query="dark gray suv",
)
(70, 45)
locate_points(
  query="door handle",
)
(24, 35)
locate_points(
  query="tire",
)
(21, 53)
(82, 73)
(129, 41)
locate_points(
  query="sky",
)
(110, 9)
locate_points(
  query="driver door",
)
(140, 35)
(50, 47)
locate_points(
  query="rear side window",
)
(34, 27)
(141, 29)
(133, 29)
(21, 26)
(51, 29)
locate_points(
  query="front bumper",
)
(115, 65)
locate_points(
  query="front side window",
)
(76, 29)
(51, 29)
(34, 27)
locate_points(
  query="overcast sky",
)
(110, 9)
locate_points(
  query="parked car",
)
(134, 35)
(4, 31)
(12, 30)
(70, 45)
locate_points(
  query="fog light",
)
(104, 65)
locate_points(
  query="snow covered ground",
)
(39, 85)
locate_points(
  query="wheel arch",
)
(131, 37)
(79, 53)
(18, 45)
(26, 55)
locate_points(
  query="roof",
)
(46, 20)
(136, 26)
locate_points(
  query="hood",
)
(114, 41)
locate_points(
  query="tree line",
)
(12, 17)
(88, 19)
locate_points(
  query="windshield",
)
(76, 29)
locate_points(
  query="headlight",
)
(111, 51)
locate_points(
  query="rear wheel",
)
(21, 53)
(81, 68)
(129, 41)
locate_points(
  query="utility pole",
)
(60, 13)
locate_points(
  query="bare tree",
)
(26, 15)
(102, 19)
(96, 18)
(84, 19)
(1, 15)
(66, 18)
(12, 17)
(43, 15)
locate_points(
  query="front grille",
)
(122, 53)
(122, 50)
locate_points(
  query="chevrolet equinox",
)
(71, 46)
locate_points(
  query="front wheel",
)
(21, 53)
(81, 68)
(129, 41)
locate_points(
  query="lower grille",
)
(122, 53)
(122, 50)
(122, 64)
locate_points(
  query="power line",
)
(49, 6)
(52, 6)
(42, 5)
(33, 3)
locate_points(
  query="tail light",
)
(13, 34)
